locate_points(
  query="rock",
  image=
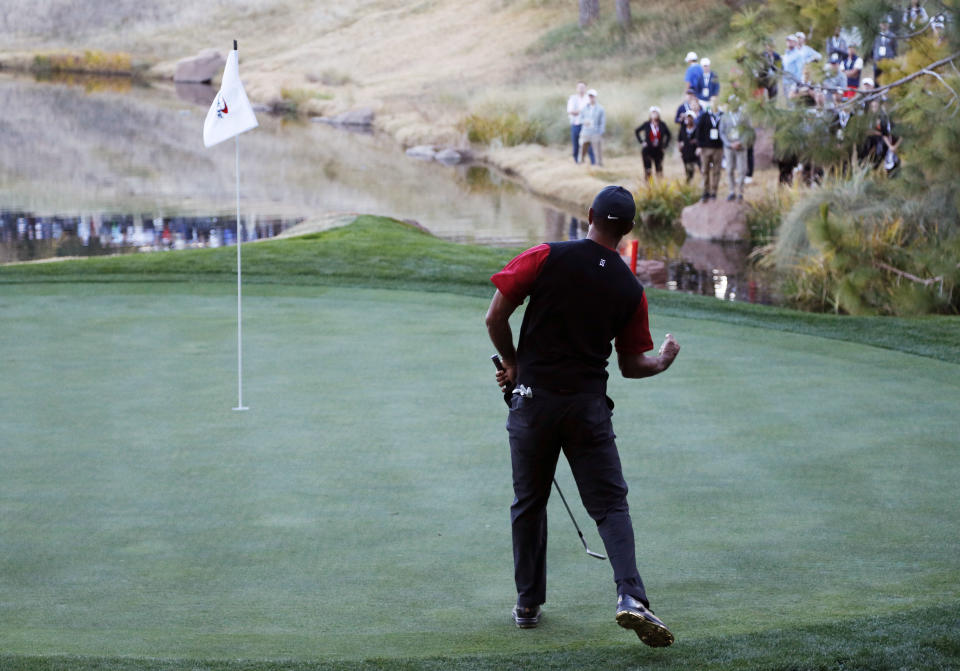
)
(358, 118)
(729, 258)
(652, 271)
(362, 116)
(196, 94)
(201, 68)
(448, 155)
(716, 220)
(424, 151)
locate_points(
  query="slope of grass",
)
(919, 640)
(793, 496)
(381, 252)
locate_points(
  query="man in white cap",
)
(792, 65)
(807, 53)
(594, 120)
(654, 137)
(575, 103)
(710, 84)
(694, 76)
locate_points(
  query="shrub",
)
(659, 203)
(508, 128)
(91, 61)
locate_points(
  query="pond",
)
(92, 167)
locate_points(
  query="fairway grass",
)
(794, 496)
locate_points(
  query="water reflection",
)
(72, 150)
(26, 237)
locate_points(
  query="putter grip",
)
(509, 391)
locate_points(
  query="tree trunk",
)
(623, 14)
(589, 12)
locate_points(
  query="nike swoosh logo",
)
(610, 216)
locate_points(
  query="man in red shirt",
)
(582, 297)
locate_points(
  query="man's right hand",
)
(507, 378)
(669, 349)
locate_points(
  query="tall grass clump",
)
(660, 202)
(91, 61)
(505, 128)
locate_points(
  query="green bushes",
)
(506, 128)
(659, 203)
(884, 264)
(91, 61)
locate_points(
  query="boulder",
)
(716, 220)
(729, 258)
(201, 68)
(424, 151)
(196, 94)
(362, 116)
(652, 271)
(448, 155)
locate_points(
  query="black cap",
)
(614, 204)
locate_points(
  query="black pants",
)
(652, 157)
(579, 424)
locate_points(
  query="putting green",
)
(360, 508)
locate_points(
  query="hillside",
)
(421, 66)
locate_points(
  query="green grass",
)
(885, 643)
(378, 252)
(794, 497)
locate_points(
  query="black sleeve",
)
(700, 132)
(638, 131)
(666, 136)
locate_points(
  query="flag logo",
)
(224, 122)
(221, 106)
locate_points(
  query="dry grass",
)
(422, 66)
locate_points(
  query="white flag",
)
(231, 113)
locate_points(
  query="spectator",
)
(884, 48)
(685, 107)
(711, 149)
(882, 144)
(694, 74)
(834, 80)
(654, 138)
(792, 66)
(915, 16)
(768, 80)
(937, 23)
(735, 133)
(836, 44)
(594, 120)
(807, 53)
(852, 67)
(710, 83)
(575, 104)
(687, 143)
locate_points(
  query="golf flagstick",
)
(229, 115)
(508, 392)
(240, 405)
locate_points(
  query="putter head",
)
(595, 554)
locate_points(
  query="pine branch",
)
(902, 273)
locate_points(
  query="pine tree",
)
(867, 242)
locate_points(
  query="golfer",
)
(582, 297)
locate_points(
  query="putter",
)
(506, 397)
